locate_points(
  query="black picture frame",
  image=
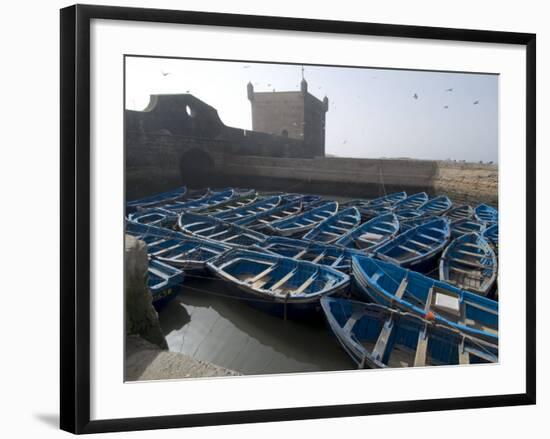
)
(75, 217)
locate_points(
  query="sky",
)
(373, 113)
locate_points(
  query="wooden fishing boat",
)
(461, 212)
(281, 285)
(305, 221)
(491, 235)
(390, 199)
(236, 202)
(368, 212)
(280, 212)
(333, 228)
(436, 206)
(262, 205)
(372, 233)
(393, 286)
(175, 248)
(155, 200)
(195, 194)
(464, 226)
(206, 201)
(155, 217)
(412, 202)
(375, 336)
(417, 247)
(470, 263)
(334, 256)
(305, 199)
(411, 223)
(486, 214)
(208, 227)
(164, 282)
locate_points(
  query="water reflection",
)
(229, 333)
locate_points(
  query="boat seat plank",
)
(347, 223)
(423, 235)
(473, 274)
(421, 244)
(465, 252)
(421, 349)
(206, 229)
(283, 280)
(214, 235)
(410, 250)
(263, 273)
(321, 256)
(382, 341)
(306, 284)
(352, 320)
(463, 355)
(429, 299)
(402, 288)
(471, 263)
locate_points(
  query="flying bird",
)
(446, 106)
(269, 85)
(449, 89)
(415, 96)
(246, 67)
(476, 102)
(164, 73)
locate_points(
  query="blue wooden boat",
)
(390, 199)
(464, 226)
(206, 201)
(408, 214)
(175, 248)
(164, 282)
(155, 217)
(412, 202)
(470, 263)
(195, 194)
(281, 285)
(486, 214)
(411, 223)
(334, 256)
(460, 212)
(280, 212)
(305, 199)
(208, 227)
(155, 200)
(491, 235)
(262, 205)
(372, 233)
(375, 336)
(305, 221)
(333, 228)
(369, 212)
(410, 291)
(436, 206)
(236, 202)
(417, 247)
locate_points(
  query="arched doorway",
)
(197, 169)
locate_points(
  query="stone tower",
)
(294, 114)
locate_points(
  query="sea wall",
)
(346, 177)
(141, 317)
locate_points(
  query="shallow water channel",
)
(206, 323)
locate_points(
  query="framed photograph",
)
(273, 218)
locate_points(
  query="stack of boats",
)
(402, 280)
